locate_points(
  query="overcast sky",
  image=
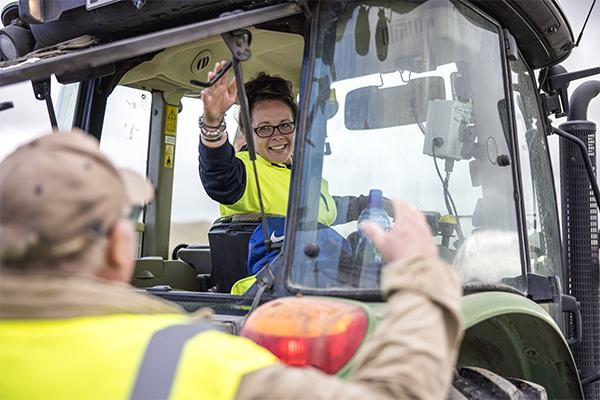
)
(29, 119)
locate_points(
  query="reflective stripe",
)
(155, 377)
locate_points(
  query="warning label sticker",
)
(169, 140)
(171, 121)
(169, 150)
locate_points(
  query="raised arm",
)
(222, 174)
(217, 100)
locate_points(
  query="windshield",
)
(408, 99)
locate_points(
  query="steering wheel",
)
(180, 246)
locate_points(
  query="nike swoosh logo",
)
(276, 239)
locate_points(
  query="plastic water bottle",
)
(368, 255)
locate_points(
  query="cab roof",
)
(162, 32)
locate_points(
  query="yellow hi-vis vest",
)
(123, 356)
(275, 189)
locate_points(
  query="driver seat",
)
(229, 238)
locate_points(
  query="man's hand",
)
(219, 97)
(410, 237)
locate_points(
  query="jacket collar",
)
(263, 160)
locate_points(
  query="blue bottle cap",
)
(375, 198)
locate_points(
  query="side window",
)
(28, 118)
(65, 106)
(126, 128)
(125, 133)
(538, 190)
(192, 211)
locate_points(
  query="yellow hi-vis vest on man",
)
(275, 189)
(123, 356)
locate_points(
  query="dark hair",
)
(265, 87)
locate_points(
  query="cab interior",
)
(277, 49)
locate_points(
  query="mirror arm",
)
(42, 92)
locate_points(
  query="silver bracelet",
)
(212, 136)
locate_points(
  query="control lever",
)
(215, 78)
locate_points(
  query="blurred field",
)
(190, 233)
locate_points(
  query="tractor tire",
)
(470, 383)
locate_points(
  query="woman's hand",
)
(219, 97)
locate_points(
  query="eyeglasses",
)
(266, 131)
(134, 213)
(130, 213)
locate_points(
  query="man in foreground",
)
(71, 327)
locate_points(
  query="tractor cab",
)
(434, 102)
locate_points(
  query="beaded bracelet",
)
(212, 136)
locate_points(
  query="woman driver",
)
(229, 177)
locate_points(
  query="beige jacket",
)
(411, 354)
(53, 295)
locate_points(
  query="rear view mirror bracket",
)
(42, 92)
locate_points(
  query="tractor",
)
(445, 104)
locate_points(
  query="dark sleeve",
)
(223, 175)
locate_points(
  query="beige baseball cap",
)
(59, 192)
